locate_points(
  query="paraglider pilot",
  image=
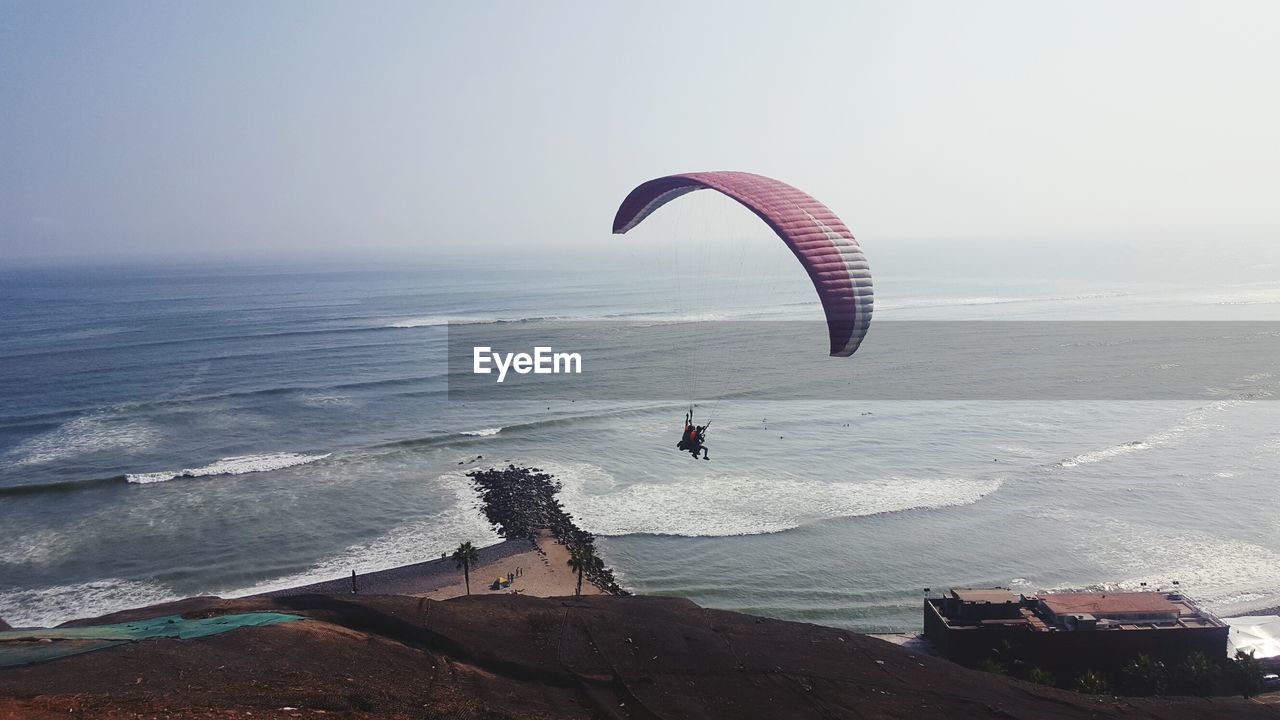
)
(692, 439)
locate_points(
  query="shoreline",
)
(521, 504)
(521, 501)
(417, 578)
(534, 567)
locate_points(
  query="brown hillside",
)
(510, 656)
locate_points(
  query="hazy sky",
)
(225, 129)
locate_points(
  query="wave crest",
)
(483, 432)
(49, 606)
(718, 506)
(1106, 453)
(239, 465)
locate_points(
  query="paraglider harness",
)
(693, 437)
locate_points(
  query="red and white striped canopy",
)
(819, 239)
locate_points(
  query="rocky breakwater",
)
(521, 502)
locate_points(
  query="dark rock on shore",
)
(521, 501)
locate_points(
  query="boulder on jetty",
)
(520, 502)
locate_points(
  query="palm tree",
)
(1195, 674)
(464, 556)
(581, 559)
(1092, 682)
(1248, 673)
(1144, 675)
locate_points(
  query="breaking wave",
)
(718, 506)
(442, 320)
(409, 543)
(49, 606)
(438, 320)
(1106, 453)
(1195, 421)
(239, 465)
(1226, 574)
(92, 433)
(483, 432)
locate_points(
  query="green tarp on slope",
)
(22, 647)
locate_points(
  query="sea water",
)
(168, 431)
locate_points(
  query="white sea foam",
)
(405, 544)
(239, 465)
(408, 543)
(1268, 447)
(437, 320)
(1105, 454)
(483, 432)
(1218, 571)
(722, 505)
(37, 548)
(320, 401)
(440, 320)
(653, 317)
(96, 432)
(689, 317)
(1198, 420)
(48, 606)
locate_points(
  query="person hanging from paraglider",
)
(815, 235)
(688, 431)
(693, 437)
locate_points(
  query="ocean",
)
(171, 430)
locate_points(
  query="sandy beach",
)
(541, 569)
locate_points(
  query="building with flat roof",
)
(982, 604)
(1069, 631)
(1121, 607)
(989, 596)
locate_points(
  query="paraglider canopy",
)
(817, 237)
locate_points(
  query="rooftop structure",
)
(1131, 606)
(1066, 630)
(985, 595)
